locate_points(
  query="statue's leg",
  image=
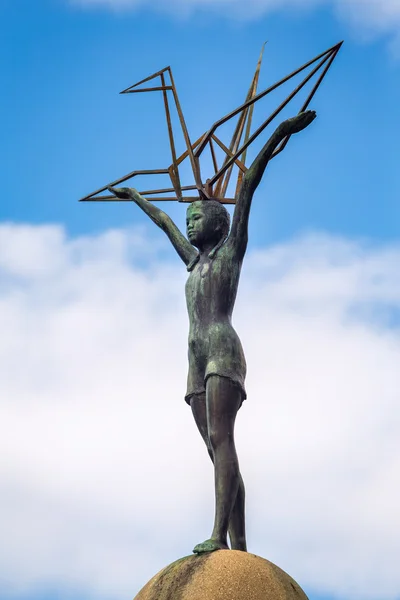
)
(236, 530)
(223, 399)
(237, 523)
(199, 410)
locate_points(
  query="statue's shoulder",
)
(226, 253)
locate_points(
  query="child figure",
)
(217, 367)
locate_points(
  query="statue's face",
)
(200, 226)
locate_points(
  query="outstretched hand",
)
(123, 193)
(299, 122)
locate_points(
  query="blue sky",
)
(63, 68)
(323, 235)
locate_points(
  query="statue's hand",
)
(123, 193)
(299, 122)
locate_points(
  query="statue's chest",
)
(202, 282)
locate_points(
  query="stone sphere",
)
(222, 575)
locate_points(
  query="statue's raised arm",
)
(184, 248)
(239, 231)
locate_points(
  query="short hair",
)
(218, 213)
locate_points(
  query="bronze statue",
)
(217, 367)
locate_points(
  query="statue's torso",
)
(211, 290)
(214, 346)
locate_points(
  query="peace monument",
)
(213, 252)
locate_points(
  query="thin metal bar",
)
(105, 199)
(166, 190)
(144, 80)
(235, 143)
(115, 199)
(241, 166)
(319, 81)
(124, 178)
(251, 110)
(268, 121)
(262, 94)
(172, 177)
(185, 199)
(306, 104)
(250, 119)
(194, 198)
(173, 170)
(186, 153)
(224, 180)
(235, 146)
(237, 136)
(213, 156)
(194, 163)
(153, 89)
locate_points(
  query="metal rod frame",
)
(216, 186)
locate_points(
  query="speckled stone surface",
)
(222, 575)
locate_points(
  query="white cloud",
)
(103, 477)
(379, 16)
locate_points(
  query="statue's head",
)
(207, 222)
